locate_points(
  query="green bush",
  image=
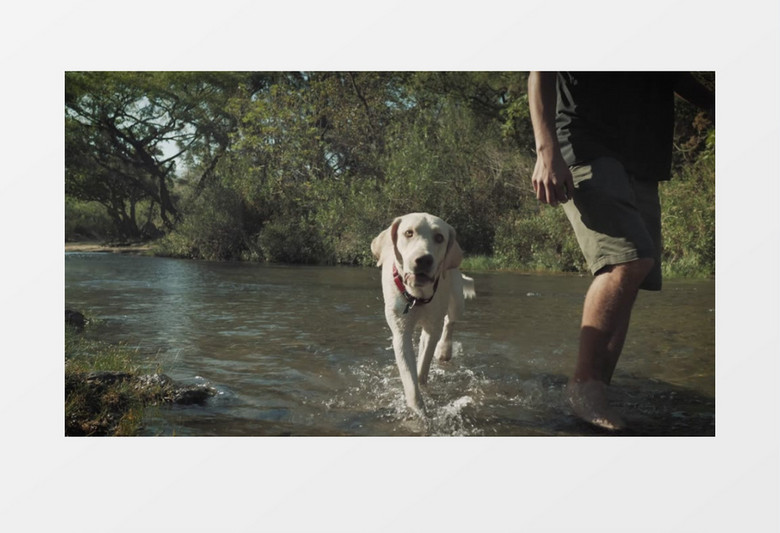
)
(174, 244)
(290, 240)
(211, 228)
(540, 241)
(353, 214)
(483, 263)
(688, 220)
(87, 221)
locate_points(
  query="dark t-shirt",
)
(626, 115)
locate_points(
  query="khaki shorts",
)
(616, 218)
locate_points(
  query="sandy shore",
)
(142, 248)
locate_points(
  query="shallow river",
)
(306, 350)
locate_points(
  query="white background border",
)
(725, 483)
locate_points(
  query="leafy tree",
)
(126, 131)
(118, 142)
(88, 178)
(309, 166)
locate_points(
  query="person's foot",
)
(588, 400)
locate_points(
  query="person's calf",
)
(605, 319)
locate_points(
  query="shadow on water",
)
(658, 408)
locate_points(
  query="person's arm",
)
(551, 178)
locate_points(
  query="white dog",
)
(422, 286)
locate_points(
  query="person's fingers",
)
(553, 189)
(538, 184)
(551, 194)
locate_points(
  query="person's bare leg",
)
(605, 318)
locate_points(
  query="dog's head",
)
(423, 246)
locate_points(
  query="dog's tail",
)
(468, 287)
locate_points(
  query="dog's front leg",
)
(404, 359)
(428, 342)
(444, 347)
(423, 361)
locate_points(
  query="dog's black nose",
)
(424, 261)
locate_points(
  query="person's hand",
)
(552, 181)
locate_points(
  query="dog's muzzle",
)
(411, 301)
(417, 279)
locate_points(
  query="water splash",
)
(453, 419)
(452, 396)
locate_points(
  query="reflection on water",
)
(306, 351)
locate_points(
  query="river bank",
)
(95, 246)
(471, 263)
(107, 391)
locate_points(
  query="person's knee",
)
(635, 271)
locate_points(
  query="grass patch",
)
(484, 263)
(107, 391)
(95, 405)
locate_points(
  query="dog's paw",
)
(419, 409)
(444, 355)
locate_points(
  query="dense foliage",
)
(307, 167)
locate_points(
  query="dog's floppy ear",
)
(384, 241)
(454, 254)
(378, 245)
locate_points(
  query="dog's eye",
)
(439, 238)
(408, 234)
